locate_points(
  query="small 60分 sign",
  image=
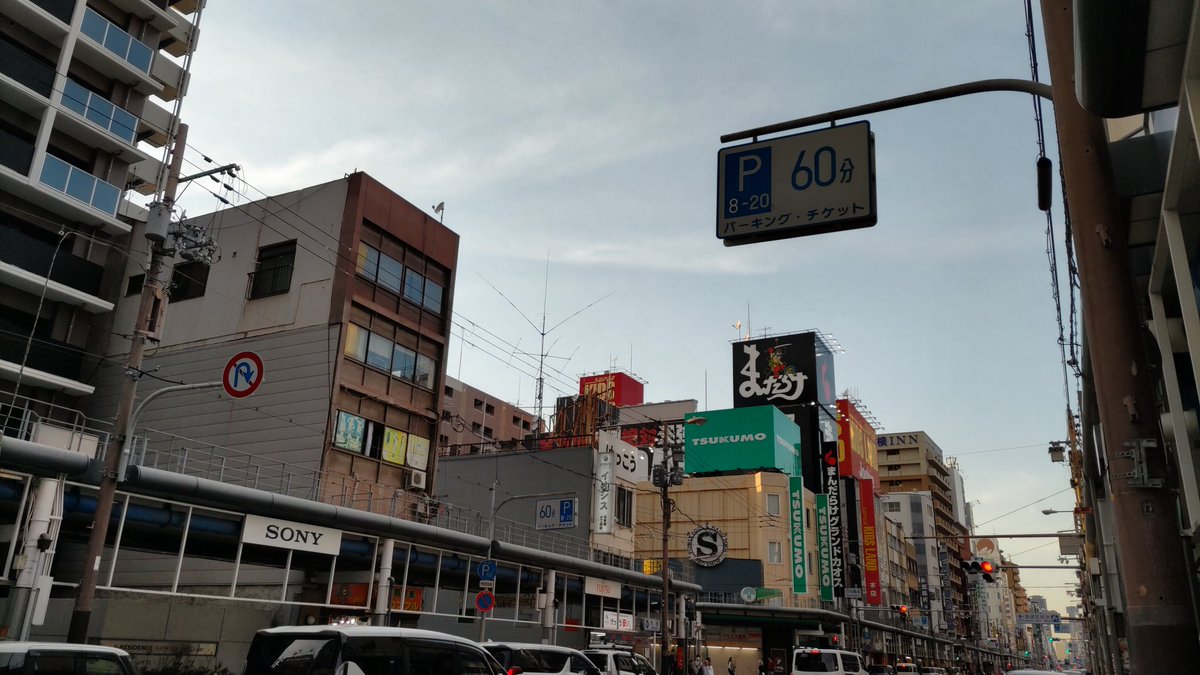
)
(243, 375)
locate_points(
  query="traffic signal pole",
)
(1160, 624)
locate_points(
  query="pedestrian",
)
(762, 667)
(730, 667)
(707, 668)
(695, 666)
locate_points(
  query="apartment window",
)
(525, 425)
(404, 362)
(774, 553)
(449, 392)
(893, 453)
(425, 369)
(379, 352)
(487, 431)
(489, 409)
(624, 507)
(432, 298)
(356, 342)
(188, 280)
(479, 404)
(414, 287)
(892, 507)
(368, 261)
(772, 505)
(477, 427)
(516, 421)
(134, 285)
(390, 273)
(893, 467)
(273, 276)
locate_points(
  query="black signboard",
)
(837, 528)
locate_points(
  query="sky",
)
(574, 145)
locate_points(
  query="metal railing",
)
(168, 452)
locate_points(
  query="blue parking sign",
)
(566, 511)
(747, 183)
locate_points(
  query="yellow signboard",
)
(395, 444)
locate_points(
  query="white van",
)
(809, 661)
(54, 658)
(365, 650)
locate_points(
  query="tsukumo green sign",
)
(740, 439)
(799, 550)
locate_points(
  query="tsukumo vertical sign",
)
(799, 549)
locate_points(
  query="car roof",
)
(530, 645)
(10, 647)
(366, 631)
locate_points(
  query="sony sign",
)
(290, 535)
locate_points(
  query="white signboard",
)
(601, 587)
(630, 463)
(286, 534)
(809, 183)
(618, 621)
(1039, 617)
(555, 514)
(604, 505)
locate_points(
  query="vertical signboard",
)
(603, 511)
(870, 545)
(833, 491)
(799, 549)
(823, 557)
(852, 529)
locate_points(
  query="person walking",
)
(707, 668)
(762, 667)
(730, 667)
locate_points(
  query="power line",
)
(1037, 501)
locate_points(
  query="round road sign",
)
(485, 601)
(243, 374)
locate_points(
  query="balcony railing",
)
(59, 9)
(100, 111)
(50, 356)
(270, 281)
(15, 152)
(34, 255)
(79, 184)
(26, 68)
(122, 44)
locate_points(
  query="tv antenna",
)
(543, 332)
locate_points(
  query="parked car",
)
(53, 658)
(365, 650)
(619, 662)
(539, 659)
(807, 660)
(880, 669)
(907, 668)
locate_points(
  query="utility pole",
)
(1159, 620)
(153, 304)
(668, 472)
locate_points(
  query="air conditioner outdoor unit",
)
(416, 480)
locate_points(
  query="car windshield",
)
(281, 654)
(531, 660)
(599, 660)
(815, 662)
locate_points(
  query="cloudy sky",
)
(574, 144)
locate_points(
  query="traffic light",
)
(1052, 640)
(987, 568)
(902, 610)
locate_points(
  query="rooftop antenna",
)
(539, 392)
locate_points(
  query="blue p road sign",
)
(566, 511)
(487, 570)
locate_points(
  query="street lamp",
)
(669, 472)
(492, 533)
(1050, 512)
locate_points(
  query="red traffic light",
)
(903, 610)
(987, 567)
